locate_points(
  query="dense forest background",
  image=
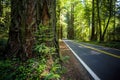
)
(96, 20)
(30, 31)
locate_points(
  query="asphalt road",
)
(102, 63)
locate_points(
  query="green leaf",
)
(52, 76)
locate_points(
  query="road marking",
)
(103, 46)
(83, 63)
(110, 54)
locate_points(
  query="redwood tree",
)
(93, 21)
(21, 32)
(70, 21)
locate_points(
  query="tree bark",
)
(114, 21)
(30, 27)
(14, 42)
(110, 14)
(72, 21)
(68, 25)
(21, 32)
(45, 14)
(1, 8)
(39, 11)
(59, 24)
(53, 16)
(99, 20)
(93, 22)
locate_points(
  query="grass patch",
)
(111, 44)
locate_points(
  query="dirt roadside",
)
(75, 70)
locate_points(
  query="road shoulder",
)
(75, 70)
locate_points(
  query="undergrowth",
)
(32, 69)
(41, 67)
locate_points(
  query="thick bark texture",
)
(30, 27)
(58, 18)
(23, 26)
(45, 14)
(53, 16)
(14, 42)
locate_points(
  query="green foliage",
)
(44, 52)
(5, 18)
(42, 49)
(44, 46)
(32, 69)
(55, 72)
(7, 70)
(44, 34)
(106, 22)
(65, 58)
(3, 43)
(52, 76)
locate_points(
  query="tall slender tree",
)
(70, 18)
(99, 18)
(1, 8)
(109, 18)
(68, 24)
(93, 21)
(114, 2)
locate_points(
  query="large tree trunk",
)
(58, 18)
(53, 16)
(23, 26)
(30, 27)
(14, 43)
(99, 20)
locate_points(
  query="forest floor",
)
(74, 70)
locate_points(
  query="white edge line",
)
(83, 63)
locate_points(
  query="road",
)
(102, 63)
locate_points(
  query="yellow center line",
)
(110, 54)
